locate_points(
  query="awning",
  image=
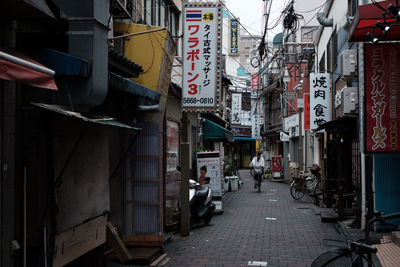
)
(64, 64)
(125, 85)
(240, 138)
(25, 9)
(99, 119)
(17, 67)
(338, 123)
(213, 131)
(118, 63)
(367, 16)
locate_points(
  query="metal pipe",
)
(299, 43)
(147, 108)
(361, 101)
(26, 64)
(363, 192)
(323, 20)
(135, 34)
(45, 245)
(25, 219)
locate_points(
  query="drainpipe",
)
(361, 101)
(323, 20)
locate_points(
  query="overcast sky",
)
(250, 14)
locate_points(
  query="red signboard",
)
(276, 164)
(254, 81)
(306, 111)
(382, 93)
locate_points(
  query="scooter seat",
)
(202, 192)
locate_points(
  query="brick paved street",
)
(242, 233)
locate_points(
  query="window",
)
(352, 6)
(163, 12)
(173, 26)
(134, 7)
(329, 56)
(331, 53)
(148, 12)
(157, 12)
(308, 33)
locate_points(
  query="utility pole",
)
(185, 164)
(300, 138)
(300, 105)
(185, 174)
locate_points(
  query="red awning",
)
(367, 16)
(17, 67)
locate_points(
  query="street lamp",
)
(383, 26)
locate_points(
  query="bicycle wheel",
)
(333, 258)
(297, 190)
(259, 183)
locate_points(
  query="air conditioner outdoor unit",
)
(349, 62)
(349, 100)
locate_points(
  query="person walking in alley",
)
(258, 165)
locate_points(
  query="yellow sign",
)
(154, 51)
(208, 16)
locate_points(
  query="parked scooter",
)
(200, 202)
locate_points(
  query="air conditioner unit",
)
(349, 100)
(348, 61)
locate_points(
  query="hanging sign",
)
(234, 37)
(201, 57)
(254, 84)
(306, 111)
(319, 99)
(255, 126)
(236, 108)
(382, 97)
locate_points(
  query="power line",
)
(244, 28)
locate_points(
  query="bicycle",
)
(302, 184)
(259, 180)
(354, 253)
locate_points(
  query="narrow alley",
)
(256, 229)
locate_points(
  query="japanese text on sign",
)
(306, 111)
(236, 108)
(319, 99)
(382, 105)
(234, 36)
(200, 57)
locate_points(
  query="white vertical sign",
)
(255, 126)
(236, 108)
(201, 52)
(319, 99)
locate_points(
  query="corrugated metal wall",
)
(387, 183)
(143, 185)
